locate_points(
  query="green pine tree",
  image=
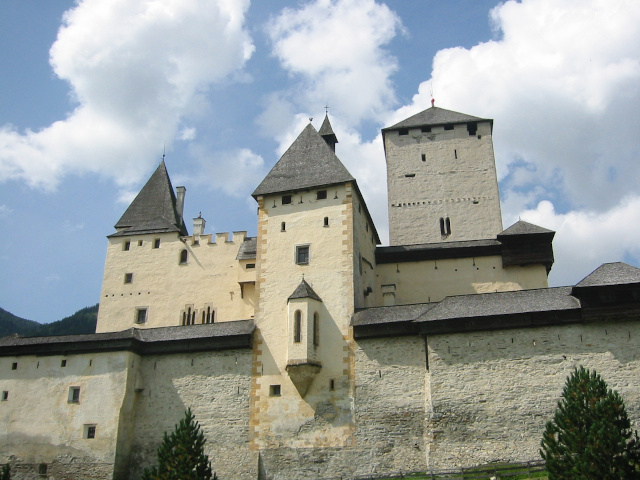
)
(6, 473)
(590, 436)
(181, 455)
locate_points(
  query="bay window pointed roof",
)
(308, 163)
(153, 210)
(304, 290)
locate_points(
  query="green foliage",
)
(181, 454)
(83, 321)
(590, 436)
(6, 473)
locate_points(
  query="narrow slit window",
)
(424, 157)
(316, 329)
(283, 227)
(184, 256)
(126, 245)
(139, 243)
(445, 226)
(156, 243)
(297, 327)
(326, 221)
(455, 154)
(63, 363)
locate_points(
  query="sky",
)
(94, 92)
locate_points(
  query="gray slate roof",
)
(304, 290)
(309, 162)
(611, 274)
(524, 228)
(435, 116)
(154, 208)
(399, 313)
(502, 303)
(248, 249)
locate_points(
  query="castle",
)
(310, 351)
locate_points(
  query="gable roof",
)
(154, 208)
(304, 290)
(435, 116)
(524, 228)
(611, 274)
(309, 162)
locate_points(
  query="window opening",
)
(139, 243)
(5, 396)
(250, 266)
(448, 127)
(425, 129)
(302, 254)
(332, 384)
(42, 469)
(286, 200)
(321, 195)
(14, 366)
(424, 157)
(316, 329)
(126, 245)
(204, 316)
(141, 315)
(445, 226)
(74, 395)
(274, 390)
(89, 431)
(156, 243)
(326, 221)
(455, 154)
(297, 327)
(128, 277)
(184, 256)
(403, 131)
(472, 128)
(410, 175)
(63, 363)
(283, 227)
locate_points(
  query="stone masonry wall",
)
(493, 392)
(215, 385)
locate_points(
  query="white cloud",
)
(336, 48)
(187, 134)
(235, 172)
(586, 239)
(5, 211)
(135, 70)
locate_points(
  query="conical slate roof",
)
(611, 274)
(524, 228)
(326, 130)
(435, 116)
(154, 208)
(309, 162)
(304, 290)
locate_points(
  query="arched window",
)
(184, 256)
(445, 226)
(316, 329)
(297, 326)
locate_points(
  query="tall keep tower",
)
(441, 178)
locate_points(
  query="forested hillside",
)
(83, 321)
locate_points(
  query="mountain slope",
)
(83, 321)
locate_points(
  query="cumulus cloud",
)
(135, 69)
(335, 48)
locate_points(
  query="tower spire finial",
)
(326, 109)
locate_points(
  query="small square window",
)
(332, 384)
(141, 315)
(156, 243)
(14, 366)
(302, 254)
(403, 131)
(74, 395)
(128, 277)
(286, 200)
(139, 243)
(63, 363)
(5, 396)
(126, 245)
(425, 129)
(321, 195)
(274, 391)
(89, 431)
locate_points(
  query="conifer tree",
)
(590, 436)
(181, 455)
(6, 472)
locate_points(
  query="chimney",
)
(180, 191)
(198, 225)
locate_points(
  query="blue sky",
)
(93, 91)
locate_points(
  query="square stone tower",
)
(441, 178)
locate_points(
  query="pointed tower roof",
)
(304, 290)
(154, 208)
(309, 162)
(435, 116)
(326, 132)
